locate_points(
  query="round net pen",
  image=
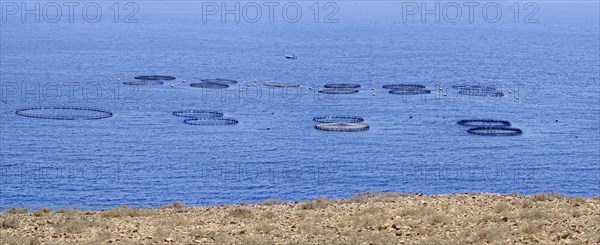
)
(481, 93)
(409, 92)
(219, 80)
(338, 91)
(281, 84)
(144, 82)
(342, 85)
(404, 86)
(495, 131)
(64, 113)
(484, 123)
(155, 78)
(474, 87)
(338, 119)
(209, 85)
(197, 114)
(343, 127)
(210, 121)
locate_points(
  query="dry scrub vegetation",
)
(365, 219)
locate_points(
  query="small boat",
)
(291, 57)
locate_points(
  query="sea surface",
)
(546, 64)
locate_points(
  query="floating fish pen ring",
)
(211, 85)
(404, 86)
(338, 119)
(478, 123)
(100, 113)
(281, 84)
(338, 91)
(197, 114)
(144, 82)
(341, 85)
(481, 93)
(474, 87)
(342, 127)
(211, 121)
(495, 131)
(155, 78)
(409, 92)
(219, 80)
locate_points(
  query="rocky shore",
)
(364, 219)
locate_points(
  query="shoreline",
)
(375, 218)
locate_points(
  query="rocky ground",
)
(364, 219)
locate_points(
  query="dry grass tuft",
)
(73, 226)
(174, 205)
(66, 211)
(271, 202)
(172, 222)
(10, 223)
(319, 203)
(268, 215)
(433, 241)
(531, 227)
(418, 211)
(265, 228)
(545, 197)
(123, 211)
(489, 235)
(102, 236)
(526, 204)
(363, 197)
(41, 212)
(240, 213)
(19, 240)
(439, 218)
(196, 233)
(501, 207)
(17, 211)
(535, 214)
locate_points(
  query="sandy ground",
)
(364, 219)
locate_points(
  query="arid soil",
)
(364, 219)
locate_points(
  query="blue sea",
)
(545, 59)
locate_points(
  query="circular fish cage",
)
(281, 84)
(410, 92)
(343, 127)
(404, 86)
(144, 82)
(338, 119)
(210, 85)
(478, 123)
(342, 85)
(474, 87)
(197, 114)
(338, 91)
(495, 131)
(64, 113)
(155, 78)
(219, 80)
(215, 121)
(481, 93)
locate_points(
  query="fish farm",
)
(64, 113)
